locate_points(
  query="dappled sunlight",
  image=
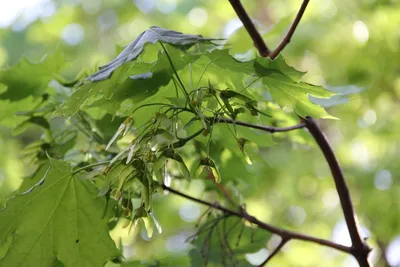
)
(207, 156)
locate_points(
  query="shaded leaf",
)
(208, 164)
(242, 142)
(172, 154)
(26, 78)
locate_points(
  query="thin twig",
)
(269, 129)
(214, 120)
(283, 233)
(276, 250)
(286, 40)
(360, 249)
(259, 43)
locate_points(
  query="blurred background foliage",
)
(351, 46)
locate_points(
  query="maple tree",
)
(174, 102)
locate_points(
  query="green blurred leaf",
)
(26, 78)
(226, 241)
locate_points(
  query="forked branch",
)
(286, 40)
(255, 35)
(259, 43)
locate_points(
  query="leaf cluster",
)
(166, 107)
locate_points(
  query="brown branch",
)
(283, 233)
(286, 40)
(259, 43)
(269, 129)
(360, 249)
(276, 250)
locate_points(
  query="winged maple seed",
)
(123, 128)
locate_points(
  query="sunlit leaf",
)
(61, 216)
(133, 50)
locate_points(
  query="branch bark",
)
(286, 40)
(259, 43)
(269, 129)
(276, 250)
(283, 233)
(360, 249)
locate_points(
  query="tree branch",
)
(269, 129)
(259, 43)
(283, 233)
(286, 40)
(276, 250)
(360, 249)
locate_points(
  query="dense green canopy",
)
(59, 111)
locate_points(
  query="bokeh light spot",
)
(91, 6)
(232, 26)
(146, 6)
(73, 34)
(360, 153)
(341, 234)
(369, 117)
(189, 212)
(198, 17)
(166, 6)
(107, 20)
(177, 243)
(11, 10)
(360, 31)
(383, 180)
(393, 252)
(330, 199)
(258, 257)
(296, 215)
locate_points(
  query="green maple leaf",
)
(127, 75)
(56, 218)
(26, 78)
(133, 50)
(281, 80)
(136, 81)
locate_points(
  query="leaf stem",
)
(90, 166)
(175, 72)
